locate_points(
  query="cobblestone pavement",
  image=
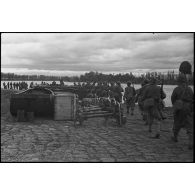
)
(46, 140)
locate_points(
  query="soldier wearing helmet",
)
(129, 97)
(139, 98)
(183, 115)
(151, 98)
(118, 92)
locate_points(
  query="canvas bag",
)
(129, 93)
(148, 103)
(178, 105)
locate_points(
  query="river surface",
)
(168, 89)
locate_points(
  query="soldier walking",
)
(129, 97)
(4, 85)
(139, 99)
(151, 98)
(17, 86)
(183, 99)
(118, 92)
(111, 90)
(11, 85)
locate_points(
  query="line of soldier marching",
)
(149, 98)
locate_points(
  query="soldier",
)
(183, 99)
(111, 90)
(129, 97)
(26, 85)
(8, 85)
(151, 98)
(139, 98)
(61, 82)
(99, 89)
(104, 91)
(118, 92)
(31, 85)
(17, 86)
(162, 103)
(4, 85)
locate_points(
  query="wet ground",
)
(46, 140)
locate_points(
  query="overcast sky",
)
(76, 53)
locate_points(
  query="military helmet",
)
(146, 81)
(185, 67)
(128, 82)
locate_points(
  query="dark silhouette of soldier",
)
(10, 85)
(31, 85)
(118, 92)
(17, 86)
(129, 97)
(4, 85)
(99, 89)
(111, 90)
(14, 85)
(151, 98)
(139, 99)
(183, 115)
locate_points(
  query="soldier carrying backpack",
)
(183, 99)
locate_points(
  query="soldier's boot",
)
(175, 135)
(157, 136)
(162, 115)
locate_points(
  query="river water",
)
(168, 89)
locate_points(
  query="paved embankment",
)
(53, 141)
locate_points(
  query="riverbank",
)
(168, 89)
(46, 140)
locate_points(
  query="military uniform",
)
(183, 118)
(152, 91)
(129, 97)
(139, 99)
(118, 92)
(111, 90)
(4, 85)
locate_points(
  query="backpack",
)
(129, 92)
(178, 105)
(148, 103)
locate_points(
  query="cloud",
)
(63, 53)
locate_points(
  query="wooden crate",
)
(64, 106)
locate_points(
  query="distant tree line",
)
(169, 78)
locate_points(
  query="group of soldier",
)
(15, 85)
(150, 98)
(150, 101)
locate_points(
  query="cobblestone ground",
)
(46, 140)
